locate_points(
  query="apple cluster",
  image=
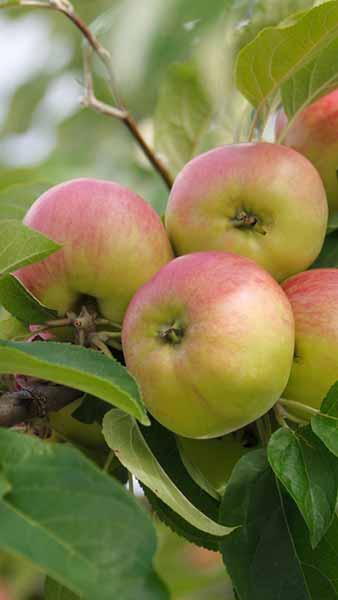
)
(219, 315)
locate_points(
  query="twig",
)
(35, 401)
(90, 101)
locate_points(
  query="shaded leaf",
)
(55, 591)
(309, 473)
(178, 524)
(15, 200)
(269, 556)
(328, 256)
(325, 424)
(182, 116)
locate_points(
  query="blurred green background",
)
(46, 137)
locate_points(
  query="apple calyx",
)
(247, 220)
(172, 334)
(87, 325)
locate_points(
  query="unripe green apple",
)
(314, 299)
(210, 462)
(314, 133)
(210, 341)
(260, 200)
(113, 242)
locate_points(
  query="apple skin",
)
(314, 133)
(314, 299)
(269, 183)
(210, 462)
(210, 341)
(113, 242)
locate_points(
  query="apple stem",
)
(131, 483)
(263, 431)
(90, 101)
(301, 408)
(280, 415)
(100, 345)
(109, 461)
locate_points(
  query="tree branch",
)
(34, 402)
(90, 100)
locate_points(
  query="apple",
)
(314, 299)
(314, 133)
(210, 462)
(210, 341)
(113, 242)
(260, 200)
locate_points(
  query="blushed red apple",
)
(314, 133)
(260, 200)
(113, 242)
(210, 341)
(314, 299)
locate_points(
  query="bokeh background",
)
(47, 137)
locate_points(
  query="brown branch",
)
(34, 402)
(90, 101)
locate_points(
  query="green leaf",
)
(21, 304)
(15, 200)
(74, 522)
(182, 116)
(76, 367)
(269, 556)
(325, 424)
(328, 256)
(21, 246)
(316, 79)
(277, 53)
(124, 437)
(309, 473)
(11, 328)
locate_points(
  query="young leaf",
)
(273, 540)
(277, 53)
(15, 200)
(11, 328)
(124, 437)
(21, 246)
(76, 367)
(75, 522)
(18, 301)
(309, 473)
(182, 116)
(325, 424)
